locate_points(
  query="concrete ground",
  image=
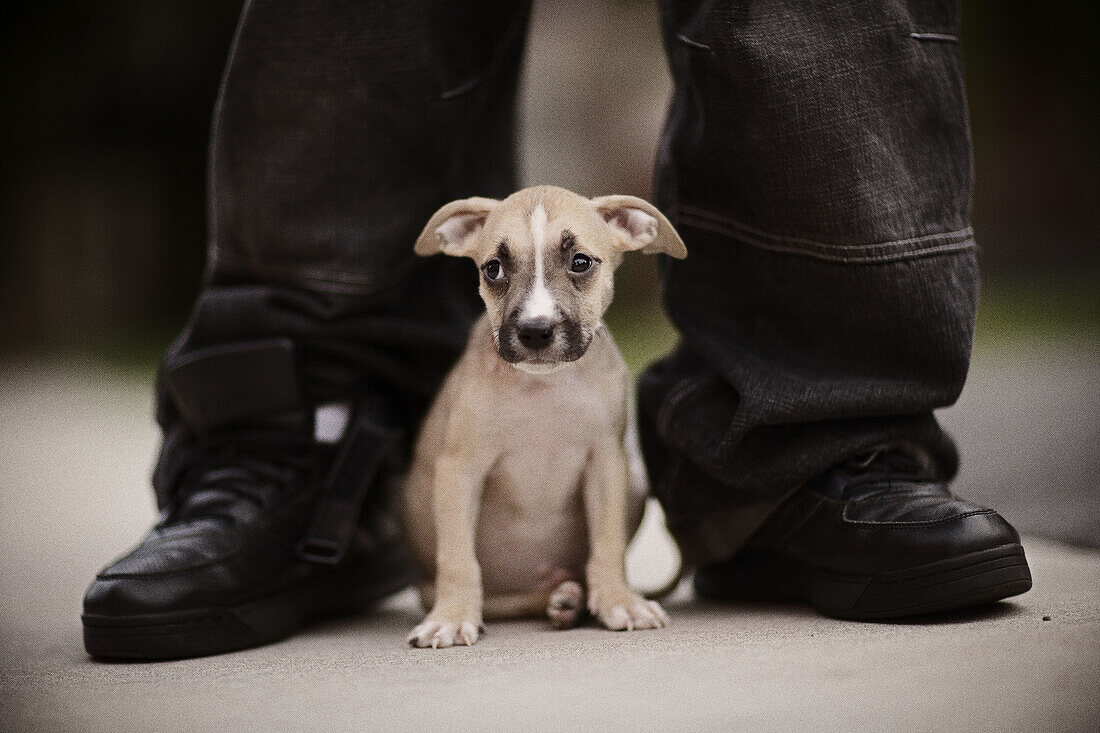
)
(76, 444)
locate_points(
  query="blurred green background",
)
(106, 108)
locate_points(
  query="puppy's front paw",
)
(627, 611)
(440, 633)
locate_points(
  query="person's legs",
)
(816, 161)
(339, 128)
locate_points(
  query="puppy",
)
(526, 484)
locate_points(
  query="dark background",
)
(106, 108)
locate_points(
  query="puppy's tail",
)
(682, 569)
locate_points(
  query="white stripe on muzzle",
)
(539, 303)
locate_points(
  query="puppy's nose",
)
(536, 334)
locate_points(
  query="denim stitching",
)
(945, 37)
(963, 245)
(876, 252)
(705, 214)
(694, 44)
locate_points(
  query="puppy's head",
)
(547, 259)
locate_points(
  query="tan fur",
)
(522, 483)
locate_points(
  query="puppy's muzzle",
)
(541, 340)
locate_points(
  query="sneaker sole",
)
(202, 632)
(969, 580)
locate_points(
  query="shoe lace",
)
(239, 472)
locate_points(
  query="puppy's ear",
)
(637, 224)
(454, 228)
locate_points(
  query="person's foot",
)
(875, 538)
(223, 569)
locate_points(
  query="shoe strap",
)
(368, 446)
(223, 388)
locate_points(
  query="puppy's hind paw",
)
(442, 634)
(566, 605)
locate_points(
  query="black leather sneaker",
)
(875, 538)
(226, 567)
(265, 527)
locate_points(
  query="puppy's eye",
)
(581, 263)
(492, 270)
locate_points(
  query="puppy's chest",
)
(543, 435)
(549, 417)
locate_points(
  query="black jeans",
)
(816, 161)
